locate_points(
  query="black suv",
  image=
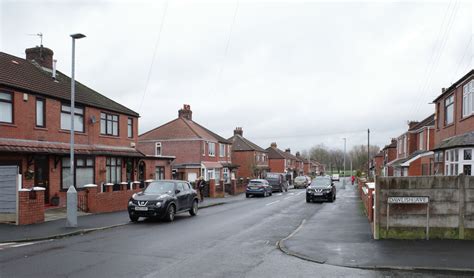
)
(321, 189)
(163, 199)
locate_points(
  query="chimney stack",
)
(41, 55)
(298, 154)
(186, 112)
(54, 68)
(273, 145)
(411, 124)
(239, 131)
(288, 150)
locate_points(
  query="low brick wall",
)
(451, 207)
(30, 207)
(108, 201)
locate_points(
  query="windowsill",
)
(466, 118)
(40, 128)
(75, 132)
(109, 136)
(8, 124)
(450, 125)
(77, 189)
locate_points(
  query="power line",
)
(455, 73)
(157, 42)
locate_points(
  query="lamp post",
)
(344, 173)
(72, 204)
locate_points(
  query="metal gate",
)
(8, 193)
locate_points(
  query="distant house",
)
(198, 151)
(414, 149)
(389, 153)
(454, 134)
(252, 159)
(312, 167)
(282, 161)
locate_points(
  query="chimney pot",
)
(41, 55)
(239, 131)
(273, 145)
(186, 112)
(288, 150)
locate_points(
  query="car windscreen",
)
(255, 183)
(321, 182)
(300, 179)
(272, 176)
(160, 187)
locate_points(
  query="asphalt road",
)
(232, 240)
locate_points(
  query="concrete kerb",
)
(282, 247)
(90, 230)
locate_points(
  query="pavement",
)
(339, 234)
(56, 228)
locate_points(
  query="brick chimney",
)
(239, 131)
(411, 124)
(41, 55)
(273, 145)
(186, 112)
(288, 150)
(298, 154)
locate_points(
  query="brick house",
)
(198, 151)
(282, 161)
(35, 135)
(454, 134)
(300, 164)
(251, 158)
(311, 167)
(377, 164)
(389, 153)
(414, 149)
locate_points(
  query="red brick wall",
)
(412, 143)
(23, 126)
(31, 211)
(108, 201)
(277, 165)
(460, 125)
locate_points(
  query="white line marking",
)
(24, 244)
(291, 193)
(279, 194)
(272, 203)
(289, 197)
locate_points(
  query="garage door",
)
(8, 191)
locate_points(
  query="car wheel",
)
(271, 193)
(308, 200)
(194, 209)
(332, 198)
(247, 196)
(170, 212)
(281, 189)
(134, 218)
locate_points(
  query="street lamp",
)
(344, 175)
(72, 217)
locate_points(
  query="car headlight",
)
(130, 203)
(158, 204)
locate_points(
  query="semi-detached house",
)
(35, 116)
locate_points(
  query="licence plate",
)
(141, 208)
(318, 194)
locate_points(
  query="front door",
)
(42, 175)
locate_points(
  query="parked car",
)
(277, 181)
(163, 199)
(258, 187)
(309, 180)
(321, 189)
(335, 177)
(301, 182)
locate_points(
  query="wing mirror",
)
(177, 191)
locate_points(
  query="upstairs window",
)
(158, 149)
(6, 107)
(420, 140)
(221, 150)
(40, 112)
(468, 99)
(66, 118)
(203, 148)
(449, 110)
(212, 148)
(109, 124)
(467, 154)
(130, 127)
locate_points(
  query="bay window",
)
(6, 107)
(66, 118)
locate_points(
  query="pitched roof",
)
(455, 84)
(21, 74)
(466, 139)
(240, 143)
(275, 153)
(181, 128)
(429, 121)
(400, 161)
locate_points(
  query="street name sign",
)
(408, 200)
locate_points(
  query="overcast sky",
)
(296, 72)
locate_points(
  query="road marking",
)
(301, 192)
(8, 245)
(291, 193)
(279, 194)
(272, 203)
(289, 197)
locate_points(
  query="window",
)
(228, 150)
(467, 170)
(66, 118)
(6, 107)
(468, 99)
(467, 154)
(113, 170)
(130, 127)
(212, 148)
(221, 150)
(160, 173)
(83, 172)
(210, 174)
(203, 148)
(158, 149)
(40, 112)
(449, 110)
(109, 124)
(420, 140)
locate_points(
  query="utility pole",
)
(344, 173)
(368, 153)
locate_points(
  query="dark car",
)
(321, 189)
(277, 181)
(163, 199)
(258, 187)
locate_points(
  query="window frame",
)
(161, 148)
(69, 114)
(468, 99)
(85, 158)
(221, 150)
(43, 100)
(118, 164)
(446, 106)
(12, 103)
(106, 119)
(213, 153)
(130, 127)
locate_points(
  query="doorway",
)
(42, 175)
